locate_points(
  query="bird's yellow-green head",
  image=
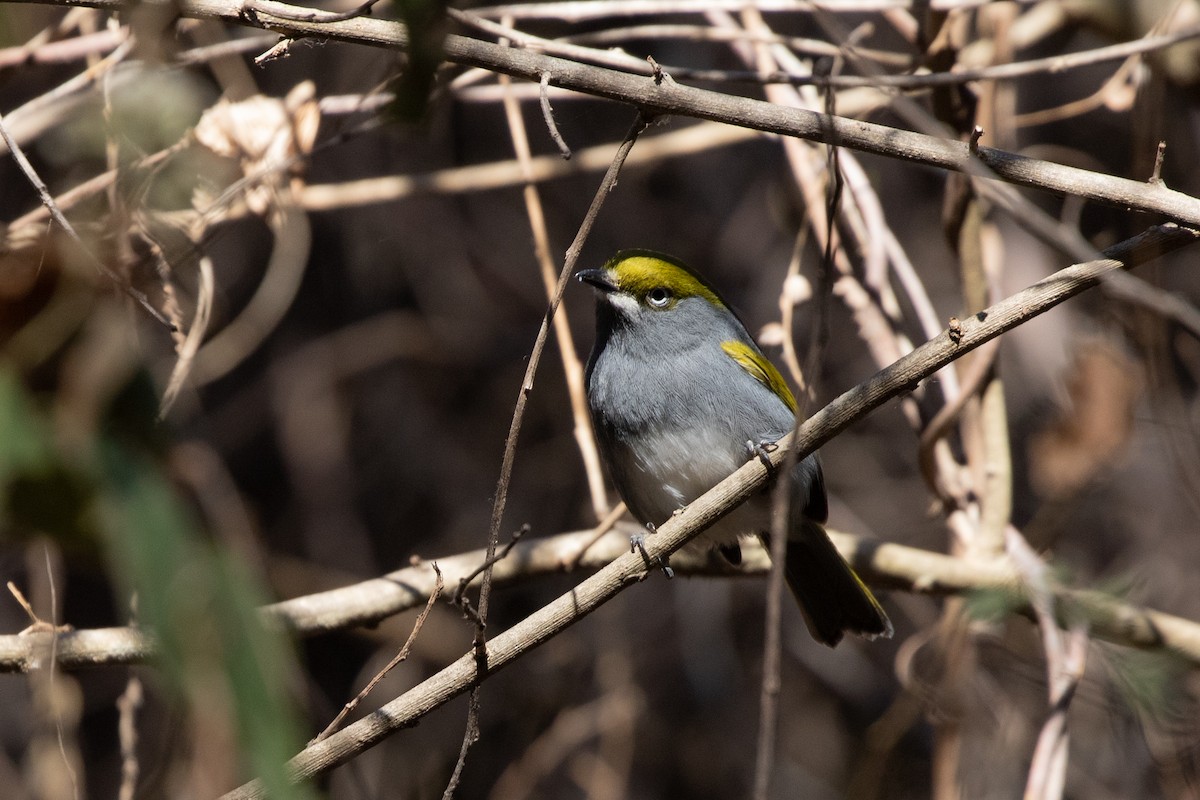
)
(654, 281)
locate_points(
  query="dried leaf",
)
(1103, 388)
(264, 134)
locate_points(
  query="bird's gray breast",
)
(673, 421)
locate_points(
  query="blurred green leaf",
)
(39, 494)
(202, 609)
(1152, 681)
(993, 605)
(259, 664)
(25, 442)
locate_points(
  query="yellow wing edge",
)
(760, 368)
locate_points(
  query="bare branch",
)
(892, 566)
(577, 10)
(1066, 656)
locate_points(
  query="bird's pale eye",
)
(659, 297)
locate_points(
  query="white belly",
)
(670, 470)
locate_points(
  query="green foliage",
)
(994, 605)
(24, 439)
(1152, 682)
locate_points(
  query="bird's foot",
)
(637, 543)
(762, 450)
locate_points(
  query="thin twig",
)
(478, 618)
(470, 737)
(795, 290)
(24, 226)
(517, 38)
(597, 533)
(306, 15)
(548, 116)
(478, 177)
(480, 653)
(572, 365)
(34, 620)
(677, 99)
(1051, 65)
(36, 623)
(1170, 305)
(772, 647)
(63, 51)
(64, 90)
(695, 33)
(571, 732)
(52, 670)
(488, 563)
(582, 10)
(985, 430)
(205, 291)
(127, 732)
(1159, 155)
(127, 707)
(768, 700)
(291, 245)
(936, 430)
(1123, 76)
(401, 656)
(234, 47)
(781, 496)
(1066, 658)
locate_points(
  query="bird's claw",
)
(762, 449)
(637, 543)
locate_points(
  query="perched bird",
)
(680, 397)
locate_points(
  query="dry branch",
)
(892, 566)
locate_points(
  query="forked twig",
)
(502, 554)
(396, 660)
(1066, 658)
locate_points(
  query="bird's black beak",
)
(598, 279)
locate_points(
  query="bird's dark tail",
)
(833, 598)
